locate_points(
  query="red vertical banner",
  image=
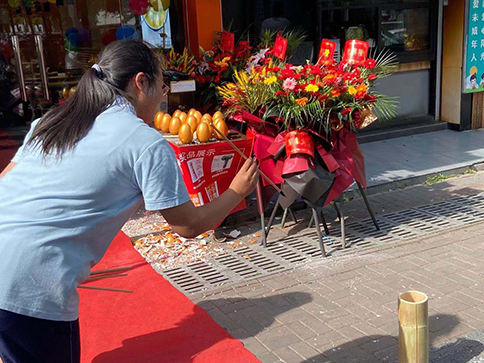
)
(280, 47)
(355, 52)
(227, 42)
(326, 52)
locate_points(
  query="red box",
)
(209, 168)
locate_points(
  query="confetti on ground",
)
(234, 234)
(164, 249)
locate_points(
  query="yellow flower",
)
(352, 90)
(270, 80)
(223, 62)
(312, 88)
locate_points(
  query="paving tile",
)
(464, 298)
(351, 333)
(305, 350)
(368, 329)
(343, 357)
(268, 357)
(361, 355)
(277, 338)
(293, 315)
(388, 354)
(326, 341)
(316, 325)
(379, 343)
(343, 321)
(301, 330)
(254, 346)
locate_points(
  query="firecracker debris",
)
(154, 239)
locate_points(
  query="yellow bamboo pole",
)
(413, 324)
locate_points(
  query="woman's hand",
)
(246, 179)
(189, 222)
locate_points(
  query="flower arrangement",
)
(317, 97)
(219, 64)
(182, 62)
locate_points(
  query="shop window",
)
(405, 30)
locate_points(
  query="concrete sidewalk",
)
(405, 158)
(345, 309)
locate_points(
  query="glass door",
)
(51, 43)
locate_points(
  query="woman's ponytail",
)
(61, 128)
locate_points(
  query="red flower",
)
(281, 93)
(370, 98)
(357, 118)
(370, 63)
(372, 77)
(287, 73)
(315, 70)
(274, 69)
(346, 111)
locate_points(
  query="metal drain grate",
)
(183, 280)
(246, 262)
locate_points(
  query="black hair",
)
(278, 9)
(63, 127)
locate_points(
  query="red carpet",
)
(8, 148)
(156, 323)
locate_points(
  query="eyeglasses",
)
(166, 88)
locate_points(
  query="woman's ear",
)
(141, 82)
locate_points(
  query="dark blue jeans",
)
(24, 339)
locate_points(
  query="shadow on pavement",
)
(384, 348)
(245, 318)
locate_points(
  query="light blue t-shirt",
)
(58, 217)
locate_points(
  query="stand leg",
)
(284, 216)
(293, 216)
(311, 221)
(318, 230)
(342, 221)
(362, 191)
(273, 215)
(263, 229)
(326, 230)
(337, 210)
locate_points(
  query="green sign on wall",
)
(474, 47)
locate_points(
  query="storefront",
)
(47, 45)
(408, 28)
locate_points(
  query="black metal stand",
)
(316, 218)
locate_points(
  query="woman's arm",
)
(189, 221)
(7, 169)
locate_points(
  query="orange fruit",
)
(175, 125)
(177, 113)
(191, 112)
(207, 116)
